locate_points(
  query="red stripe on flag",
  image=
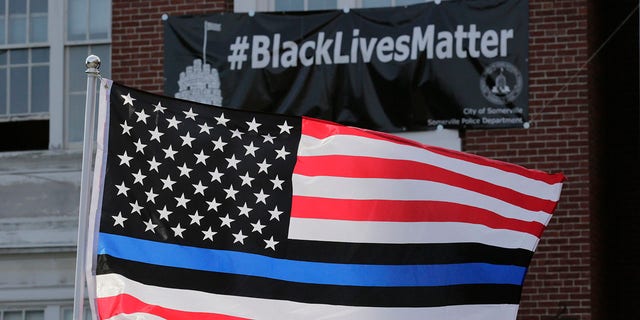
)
(323, 129)
(127, 304)
(406, 211)
(366, 167)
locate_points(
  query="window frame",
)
(8, 116)
(59, 90)
(28, 45)
(59, 67)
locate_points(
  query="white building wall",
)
(39, 196)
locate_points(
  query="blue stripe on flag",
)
(233, 262)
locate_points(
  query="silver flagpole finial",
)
(93, 64)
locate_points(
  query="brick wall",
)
(557, 141)
(558, 285)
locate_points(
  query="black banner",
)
(457, 64)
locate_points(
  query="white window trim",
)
(56, 68)
(269, 5)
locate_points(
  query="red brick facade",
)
(558, 285)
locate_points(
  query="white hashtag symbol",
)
(238, 52)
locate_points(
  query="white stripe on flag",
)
(137, 315)
(194, 301)
(362, 146)
(408, 232)
(396, 189)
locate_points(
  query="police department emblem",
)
(501, 83)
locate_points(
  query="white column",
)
(56, 74)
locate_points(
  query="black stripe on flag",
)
(257, 287)
(439, 253)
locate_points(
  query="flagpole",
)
(204, 45)
(93, 73)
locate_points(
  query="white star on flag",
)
(136, 208)
(142, 116)
(190, 114)
(270, 244)
(239, 237)
(177, 231)
(173, 122)
(126, 128)
(125, 159)
(155, 134)
(128, 99)
(219, 144)
(208, 234)
(119, 220)
(150, 226)
(222, 120)
(159, 108)
(164, 213)
(285, 127)
(122, 189)
(253, 125)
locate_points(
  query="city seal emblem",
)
(501, 83)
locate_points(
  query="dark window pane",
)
(19, 56)
(40, 55)
(25, 135)
(2, 29)
(34, 315)
(17, 6)
(17, 29)
(375, 3)
(38, 6)
(76, 118)
(19, 98)
(289, 5)
(407, 2)
(12, 315)
(3, 92)
(77, 20)
(322, 4)
(100, 19)
(40, 89)
(38, 29)
(76, 68)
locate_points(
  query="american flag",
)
(215, 213)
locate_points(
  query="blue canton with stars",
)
(197, 175)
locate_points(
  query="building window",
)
(88, 20)
(88, 32)
(23, 21)
(24, 77)
(43, 44)
(24, 63)
(67, 313)
(21, 314)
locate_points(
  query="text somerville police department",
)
(462, 43)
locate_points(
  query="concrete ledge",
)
(58, 234)
(40, 183)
